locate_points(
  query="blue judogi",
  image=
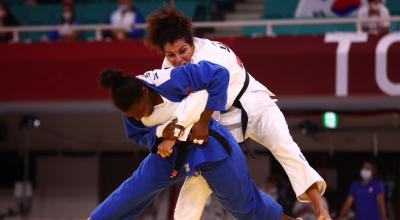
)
(227, 175)
(365, 198)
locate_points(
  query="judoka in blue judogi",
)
(224, 169)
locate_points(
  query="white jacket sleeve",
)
(187, 113)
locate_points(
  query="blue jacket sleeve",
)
(204, 75)
(140, 134)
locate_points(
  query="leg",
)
(230, 181)
(192, 198)
(270, 129)
(135, 193)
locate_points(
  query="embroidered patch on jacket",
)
(187, 168)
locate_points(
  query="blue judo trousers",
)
(228, 178)
(227, 175)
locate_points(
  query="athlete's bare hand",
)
(170, 130)
(165, 148)
(199, 132)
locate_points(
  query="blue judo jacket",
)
(175, 84)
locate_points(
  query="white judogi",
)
(266, 125)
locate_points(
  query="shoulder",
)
(166, 64)
(156, 77)
(213, 51)
(355, 184)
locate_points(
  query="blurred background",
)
(62, 143)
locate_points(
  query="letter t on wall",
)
(344, 41)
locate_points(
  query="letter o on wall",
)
(381, 69)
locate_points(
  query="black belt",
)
(182, 148)
(238, 104)
(244, 116)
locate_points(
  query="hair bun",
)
(111, 78)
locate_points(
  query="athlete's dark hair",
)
(166, 25)
(126, 89)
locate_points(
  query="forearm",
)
(382, 207)
(316, 199)
(383, 212)
(191, 109)
(206, 115)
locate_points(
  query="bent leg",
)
(230, 181)
(271, 131)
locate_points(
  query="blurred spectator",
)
(65, 32)
(6, 19)
(367, 194)
(305, 210)
(123, 21)
(374, 9)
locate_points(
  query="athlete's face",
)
(179, 52)
(143, 108)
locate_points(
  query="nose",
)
(179, 60)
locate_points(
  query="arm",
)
(139, 134)
(190, 112)
(200, 128)
(195, 77)
(316, 199)
(187, 113)
(346, 207)
(381, 203)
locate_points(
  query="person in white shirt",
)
(123, 21)
(65, 32)
(374, 9)
(250, 112)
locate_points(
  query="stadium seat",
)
(93, 13)
(280, 8)
(299, 29)
(393, 6)
(36, 15)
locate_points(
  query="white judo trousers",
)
(267, 126)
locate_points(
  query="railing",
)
(268, 24)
